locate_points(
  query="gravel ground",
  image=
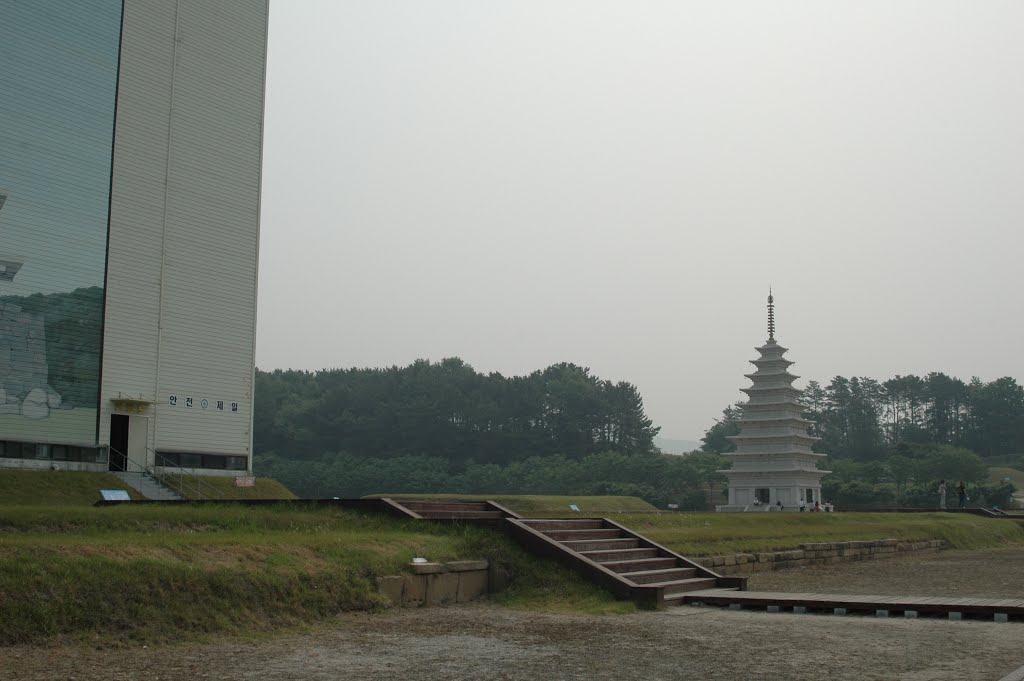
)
(959, 574)
(483, 641)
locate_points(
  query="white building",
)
(773, 466)
(129, 232)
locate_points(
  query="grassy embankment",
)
(704, 534)
(56, 488)
(132, 573)
(264, 488)
(155, 573)
(546, 505)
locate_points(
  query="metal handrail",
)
(167, 479)
(199, 483)
(143, 469)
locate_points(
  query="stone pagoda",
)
(773, 467)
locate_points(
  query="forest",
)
(444, 427)
(892, 441)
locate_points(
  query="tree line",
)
(892, 441)
(444, 427)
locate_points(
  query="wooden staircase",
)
(477, 511)
(628, 564)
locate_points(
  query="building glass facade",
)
(58, 87)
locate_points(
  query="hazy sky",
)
(617, 184)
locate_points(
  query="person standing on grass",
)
(961, 491)
(942, 494)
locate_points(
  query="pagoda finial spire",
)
(771, 316)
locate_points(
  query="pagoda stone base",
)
(756, 509)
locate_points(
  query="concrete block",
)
(881, 613)
(472, 584)
(442, 588)
(800, 609)
(956, 615)
(730, 560)
(392, 587)
(774, 608)
(717, 561)
(910, 614)
(427, 568)
(1001, 617)
(838, 611)
(498, 579)
(414, 590)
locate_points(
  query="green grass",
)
(264, 488)
(160, 573)
(539, 506)
(166, 573)
(705, 534)
(56, 488)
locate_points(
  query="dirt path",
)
(483, 641)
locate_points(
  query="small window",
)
(213, 461)
(30, 450)
(59, 452)
(237, 463)
(191, 460)
(762, 495)
(168, 459)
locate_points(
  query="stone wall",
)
(441, 583)
(814, 554)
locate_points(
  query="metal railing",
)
(185, 481)
(182, 481)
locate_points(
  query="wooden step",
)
(606, 555)
(602, 544)
(460, 515)
(678, 598)
(546, 525)
(656, 576)
(638, 564)
(444, 506)
(580, 535)
(679, 586)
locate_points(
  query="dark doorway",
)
(118, 442)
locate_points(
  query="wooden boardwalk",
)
(962, 607)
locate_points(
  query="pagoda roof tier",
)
(771, 438)
(741, 434)
(776, 420)
(756, 443)
(785, 389)
(772, 347)
(773, 361)
(792, 454)
(783, 414)
(760, 376)
(794, 438)
(816, 471)
(777, 406)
